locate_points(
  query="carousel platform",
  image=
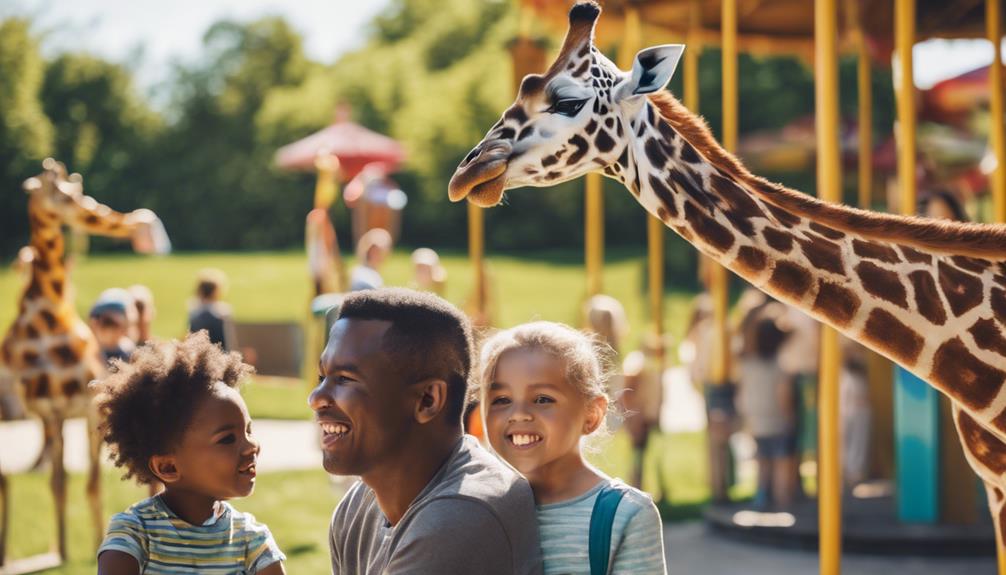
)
(870, 526)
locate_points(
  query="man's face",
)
(360, 402)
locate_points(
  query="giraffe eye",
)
(569, 107)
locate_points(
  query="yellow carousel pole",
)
(829, 186)
(865, 123)
(904, 38)
(594, 226)
(718, 288)
(993, 26)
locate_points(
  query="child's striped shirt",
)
(161, 542)
(637, 545)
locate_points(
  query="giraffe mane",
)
(960, 238)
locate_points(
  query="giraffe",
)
(48, 349)
(929, 295)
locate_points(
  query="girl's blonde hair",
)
(588, 359)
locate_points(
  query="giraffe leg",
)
(57, 481)
(94, 477)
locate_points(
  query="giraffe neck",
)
(939, 314)
(48, 269)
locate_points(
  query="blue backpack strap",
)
(602, 517)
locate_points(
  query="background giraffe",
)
(49, 350)
(929, 295)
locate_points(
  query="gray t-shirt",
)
(476, 515)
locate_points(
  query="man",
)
(393, 382)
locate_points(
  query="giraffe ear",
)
(651, 70)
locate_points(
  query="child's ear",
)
(165, 468)
(651, 70)
(596, 409)
(432, 399)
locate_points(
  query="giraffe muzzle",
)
(482, 179)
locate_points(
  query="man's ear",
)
(651, 70)
(596, 410)
(165, 468)
(432, 399)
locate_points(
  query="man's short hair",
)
(428, 337)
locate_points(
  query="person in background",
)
(111, 319)
(428, 274)
(371, 251)
(143, 301)
(209, 312)
(765, 401)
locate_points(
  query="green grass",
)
(267, 286)
(295, 505)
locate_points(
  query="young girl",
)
(174, 415)
(542, 389)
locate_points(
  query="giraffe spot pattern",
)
(662, 214)
(65, 355)
(915, 256)
(971, 264)
(830, 233)
(966, 378)
(740, 201)
(988, 336)
(836, 302)
(982, 444)
(688, 154)
(527, 131)
(506, 134)
(685, 184)
(927, 297)
(591, 126)
(581, 146)
(655, 153)
(778, 240)
(782, 216)
(888, 333)
(604, 142)
(517, 113)
(609, 122)
(822, 254)
(582, 69)
(57, 287)
(664, 195)
(998, 302)
(751, 260)
(963, 290)
(549, 161)
(875, 251)
(882, 283)
(790, 279)
(72, 387)
(715, 234)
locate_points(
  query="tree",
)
(25, 132)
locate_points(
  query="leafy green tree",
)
(25, 132)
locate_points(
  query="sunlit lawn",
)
(297, 505)
(274, 287)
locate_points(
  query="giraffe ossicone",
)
(929, 295)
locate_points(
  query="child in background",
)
(371, 251)
(143, 301)
(765, 401)
(543, 391)
(112, 318)
(209, 312)
(174, 415)
(428, 274)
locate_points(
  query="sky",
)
(170, 30)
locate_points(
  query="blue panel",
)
(917, 446)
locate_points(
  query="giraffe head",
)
(566, 122)
(57, 198)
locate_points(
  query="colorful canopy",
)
(354, 145)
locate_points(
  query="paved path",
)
(690, 549)
(285, 445)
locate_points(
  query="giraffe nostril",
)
(471, 156)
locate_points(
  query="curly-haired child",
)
(543, 391)
(173, 414)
